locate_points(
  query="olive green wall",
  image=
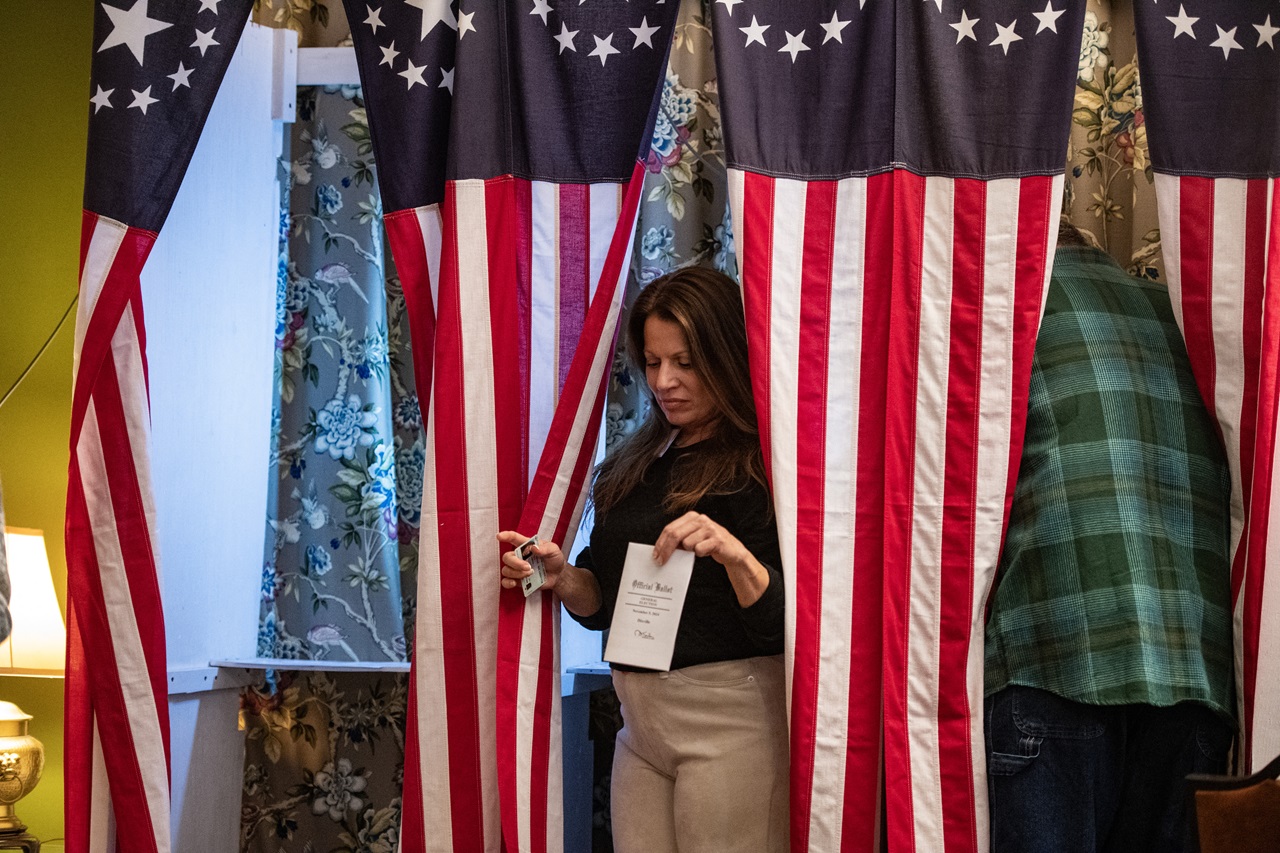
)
(45, 50)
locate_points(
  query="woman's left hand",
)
(694, 532)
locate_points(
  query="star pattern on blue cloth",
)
(144, 42)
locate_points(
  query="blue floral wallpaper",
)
(347, 433)
(325, 752)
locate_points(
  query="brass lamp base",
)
(21, 763)
(19, 841)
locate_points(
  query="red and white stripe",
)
(415, 237)
(1220, 240)
(116, 678)
(530, 290)
(817, 353)
(970, 274)
(90, 821)
(892, 321)
(1258, 606)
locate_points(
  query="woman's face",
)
(678, 389)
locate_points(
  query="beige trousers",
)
(701, 761)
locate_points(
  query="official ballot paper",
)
(650, 599)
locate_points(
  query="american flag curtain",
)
(1211, 92)
(894, 217)
(508, 142)
(157, 65)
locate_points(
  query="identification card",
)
(533, 582)
(647, 614)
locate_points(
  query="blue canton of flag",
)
(531, 81)
(405, 49)
(1211, 86)
(157, 65)
(565, 91)
(797, 66)
(798, 63)
(980, 86)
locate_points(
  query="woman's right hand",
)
(513, 568)
(577, 588)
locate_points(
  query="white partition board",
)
(209, 291)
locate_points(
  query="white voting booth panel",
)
(209, 294)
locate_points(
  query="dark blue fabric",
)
(1065, 777)
(829, 113)
(898, 86)
(522, 103)
(408, 120)
(564, 116)
(971, 109)
(136, 156)
(1211, 86)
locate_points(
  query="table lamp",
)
(36, 647)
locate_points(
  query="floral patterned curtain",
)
(332, 575)
(346, 475)
(324, 752)
(1109, 189)
(343, 740)
(318, 23)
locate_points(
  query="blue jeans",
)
(1071, 778)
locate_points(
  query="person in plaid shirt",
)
(1109, 639)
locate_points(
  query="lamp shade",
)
(38, 643)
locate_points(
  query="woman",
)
(701, 762)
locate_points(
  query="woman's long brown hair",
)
(707, 306)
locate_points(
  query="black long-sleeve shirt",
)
(713, 626)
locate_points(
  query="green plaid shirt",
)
(1114, 584)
